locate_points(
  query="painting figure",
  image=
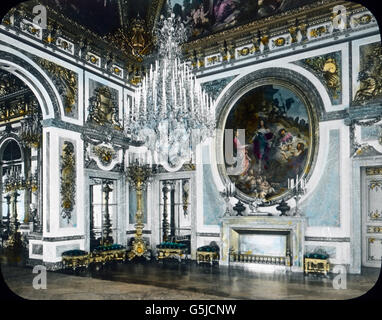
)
(265, 189)
(199, 16)
(262, 145)
(243, 159)
(210, 16)
(285, 137)
(269, 7)
(225, 11)
(284, 144)
(297, 159)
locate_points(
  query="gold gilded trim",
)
(374, 171)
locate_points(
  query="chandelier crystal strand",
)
(170, 101)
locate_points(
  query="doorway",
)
(175, 211)
(103, 210)
(372, 217)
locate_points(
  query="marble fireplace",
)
(263, 243)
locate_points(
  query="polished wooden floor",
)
(186, 281)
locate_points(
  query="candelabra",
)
(13, 183)
(8, 199)
(228, 192)
(165, 225)
(107, 239)
(138, 175)
(14, 241)
(14, 180)
(298, 188)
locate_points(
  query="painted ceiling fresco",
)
(203, 17)
(102, 16)
(210, 16)
(276, 144)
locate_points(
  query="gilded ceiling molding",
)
(61, 27)
(66, 82)
(308, 15)
(68, 179)
(293, 27)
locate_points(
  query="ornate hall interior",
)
(195, 149)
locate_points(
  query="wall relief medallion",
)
(103, 108)
(106, 156)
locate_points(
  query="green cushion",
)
(317, 256)
(109, 248)
(208, 249)
(74, 253)
(171, 245)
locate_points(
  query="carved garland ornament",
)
(66, 82)
(370, 76)
(68, 178)
(328, 69)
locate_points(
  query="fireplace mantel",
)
(292, 228)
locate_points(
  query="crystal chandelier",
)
(171, 113)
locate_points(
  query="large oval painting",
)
(271, 140)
